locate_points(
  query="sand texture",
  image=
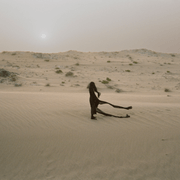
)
(45, 126)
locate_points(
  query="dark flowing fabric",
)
(94, 102)
(106, 114)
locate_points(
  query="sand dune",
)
(45, 126)
(144, 70)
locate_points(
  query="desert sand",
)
(45, 126)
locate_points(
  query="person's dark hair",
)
(91, 85)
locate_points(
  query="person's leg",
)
(93, 111)
(93, 108)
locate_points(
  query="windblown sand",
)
(45, 126)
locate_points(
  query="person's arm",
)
(95, 89)
(98, 94)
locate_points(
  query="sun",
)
(43, 36)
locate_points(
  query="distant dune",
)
(45, 126)
(132, 70)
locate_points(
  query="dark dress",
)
(94, 101)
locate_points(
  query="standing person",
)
(94, 101)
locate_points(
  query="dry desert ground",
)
(45, 126)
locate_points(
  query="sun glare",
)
(43, 36)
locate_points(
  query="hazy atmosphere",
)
(89, 25)
(89, 89)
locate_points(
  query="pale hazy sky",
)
(89, 25)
